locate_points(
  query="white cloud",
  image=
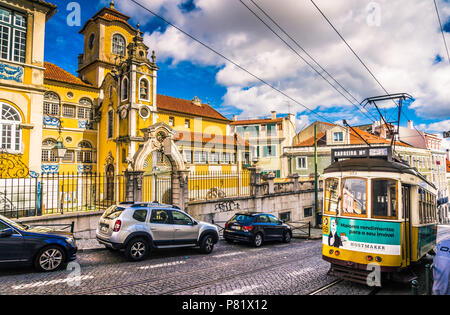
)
(400, 52)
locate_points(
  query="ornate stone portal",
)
(158, 138)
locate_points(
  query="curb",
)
(86, 250)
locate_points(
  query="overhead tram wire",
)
(360, 60)
(442, 30)
(232, 62)
(301, 57)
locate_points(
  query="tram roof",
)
(373, 165)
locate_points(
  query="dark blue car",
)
(256, 228)
(46, 249)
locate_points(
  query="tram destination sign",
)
(373, 152)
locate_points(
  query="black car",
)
(46, 249)
(256, 228)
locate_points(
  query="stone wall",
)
(85, 223)
(276, 203)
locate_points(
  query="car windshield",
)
(13, 224)
(113, 212)
(243, 219)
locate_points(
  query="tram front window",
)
(331, 194)
(354, 192)
(384, 198)
(354, 196)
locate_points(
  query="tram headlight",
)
(331, 252)
(369, 258)
(378, 259)
(337, 253)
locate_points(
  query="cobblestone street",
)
(232, 269)
(295, 268)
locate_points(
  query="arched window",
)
(118, 45)
(143, 89)
(10, 133)
(85, 152)
(51, 104)
(47, 150)
(125, 88)
(85, 110)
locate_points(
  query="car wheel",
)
(50, 258)
(207, 244)
(137, 249)
(258, 240)
(287, 237)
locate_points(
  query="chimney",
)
(273, 114)
(410, 124)
(234, 117)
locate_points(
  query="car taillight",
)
(227, 225)
(117, 226)
(247, 228)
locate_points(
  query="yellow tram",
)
(378, 211)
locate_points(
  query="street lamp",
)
(59, 149)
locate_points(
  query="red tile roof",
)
(256, 121)
(182, 106)
(370, 138)
(310, 141)
(210, 138)
(354, 139)
(55, 73)
(109, 14)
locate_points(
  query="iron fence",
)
(58, 193)
(212, 185)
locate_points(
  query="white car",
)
(139, 227)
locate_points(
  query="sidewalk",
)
(315, 234)
(89, 245)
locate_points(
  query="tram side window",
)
(331, 195)
(354, 191)
(427, 206)
(421, 205)
(384, 198)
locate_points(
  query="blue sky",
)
(63, 44)
(215, 82)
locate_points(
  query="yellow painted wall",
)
(69, 126)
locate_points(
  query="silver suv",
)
(139, 227)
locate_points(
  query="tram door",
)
(406, 201)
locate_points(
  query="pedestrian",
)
(441, 269)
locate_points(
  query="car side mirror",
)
(6, 233)
(195, 222)
(280, 222)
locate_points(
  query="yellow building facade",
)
(109, 119)
(22, 27)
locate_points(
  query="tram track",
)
(373, 291)
(209, 270)
(325, 287)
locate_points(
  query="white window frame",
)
(124, 87)
(8, 45)
(124, 44)
(336, 133)
(66, 107)
(14, 140)
(12, 27)
(148, 89)
(297, 159)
